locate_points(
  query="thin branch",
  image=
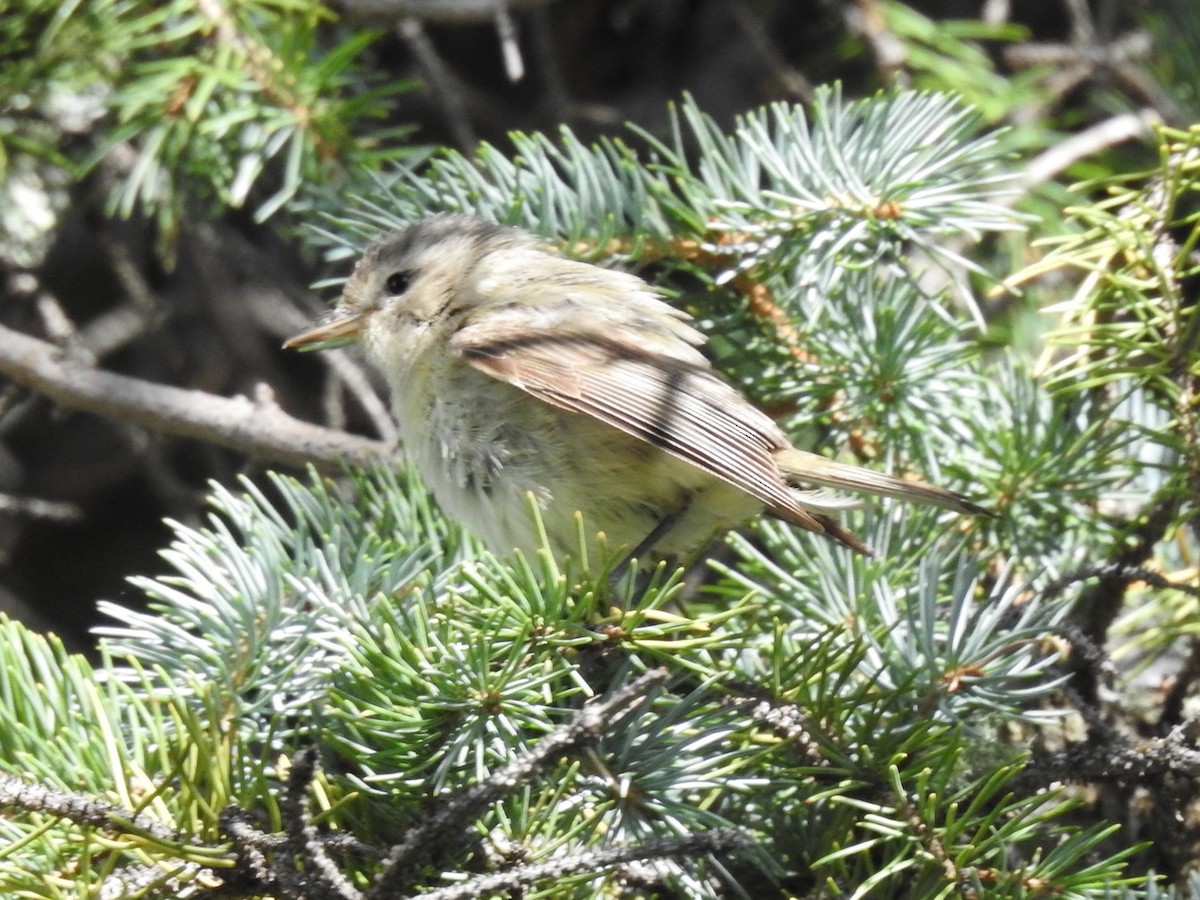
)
(441, 81)
(1090, 55)
(754, 26)
(450, 11)
(555, 99)
(317, 872)
(1145, 763)
(80, 809)
(1098, 606)
(511, 882)
(590, 723)
(1125, 573)
(1112, 131)
(865, 18)
(281, 311)
(93, 812)
(510, 47)
(279, 317)
(1181, 688)
(256, 427)
(235, 823)
(37, 508)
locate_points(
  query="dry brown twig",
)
(256, 427)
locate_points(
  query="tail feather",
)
(843, 535)
(827, 501)
(801, 467)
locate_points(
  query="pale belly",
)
(487, 460)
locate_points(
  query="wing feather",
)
(672, 403)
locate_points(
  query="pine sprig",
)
(233, 104)
(881, 174)
(871, 171)
(254, 588)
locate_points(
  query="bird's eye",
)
(397, 283)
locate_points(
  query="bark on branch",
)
(256, 427)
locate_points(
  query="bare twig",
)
(256, 427)
(263, 292)
(1092, 54)
(510, 47)
(316, 876)
(865, 18)
(1182, 687)
(437, 830)
(37, 508)
(442, 83)
(235, 822)
(794, 84)
(55, 320)
(1101, 136)
(511, 882)
(277, 315)
(114, 329)
(546, 62)
(1147, 761)
(450, 11)
(110, 331)
(79, 808)
(298, 865)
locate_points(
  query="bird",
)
(518, 376)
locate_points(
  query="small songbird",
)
(517, 372)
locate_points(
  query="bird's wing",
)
(676, 404)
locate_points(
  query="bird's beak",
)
(338, 326)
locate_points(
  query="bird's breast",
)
(486, 449)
